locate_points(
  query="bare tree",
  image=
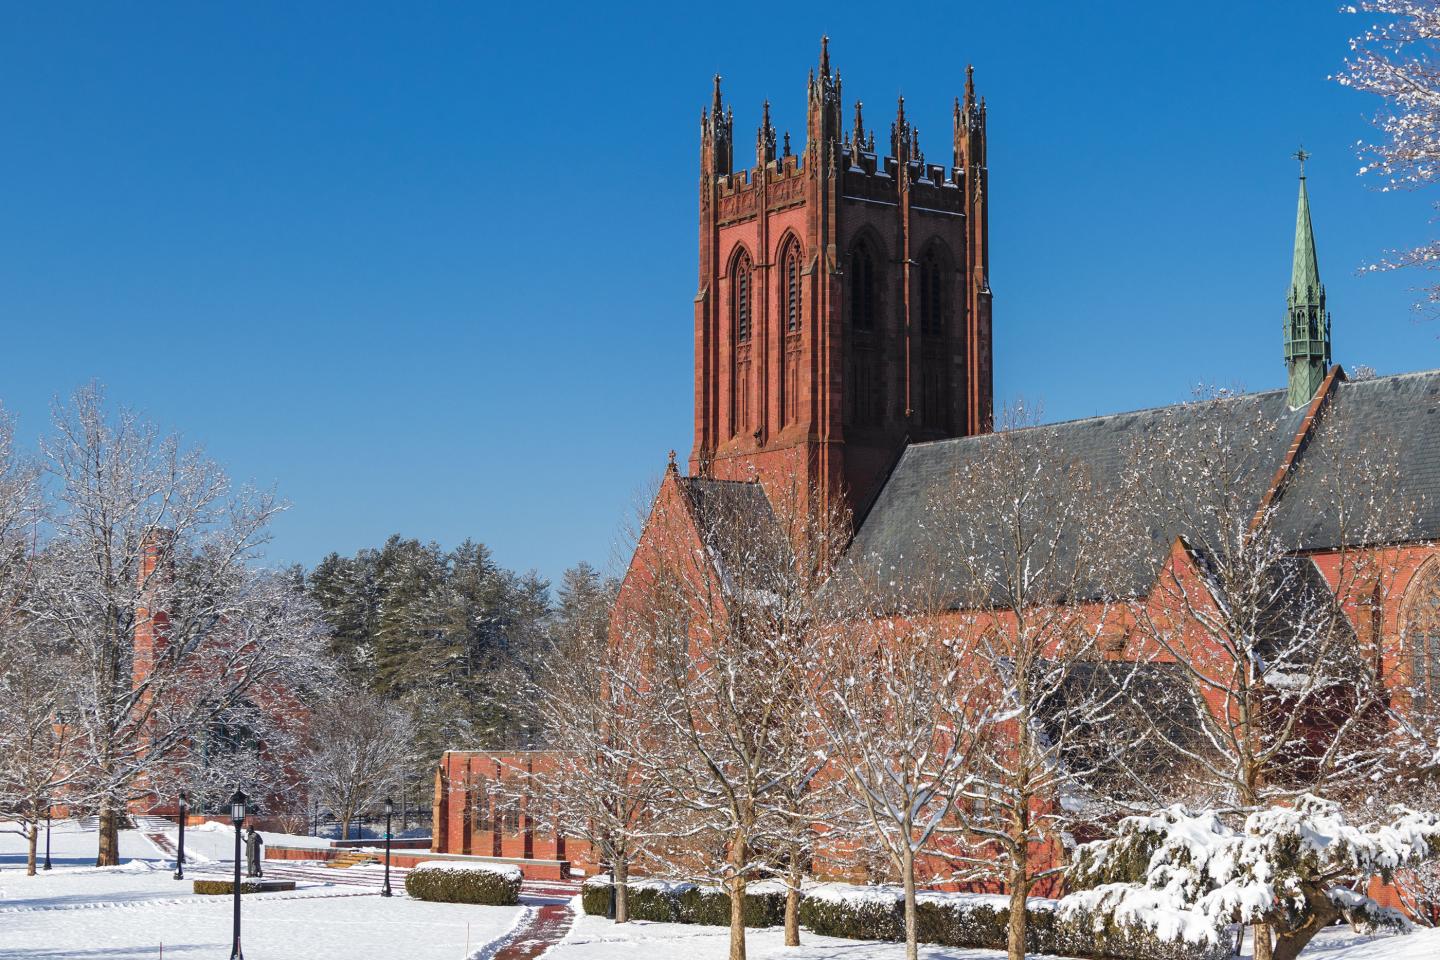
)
(146, 584)
(721, 601)
(1028, 546)
(33, 740)
(357, 749)
(891, 702)
(599, 722)
(37, 744)
(1394, 58)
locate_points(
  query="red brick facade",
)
(482, 809)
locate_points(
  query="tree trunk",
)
(34, 839)
(912, 939)
(621, 880)
(1264, 949)
(737, 899)
(1321, 912)
(108, 854)
(1019, 894)
(792, 900)
(1288, 946)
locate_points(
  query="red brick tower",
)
(844, 300)
(152, 622)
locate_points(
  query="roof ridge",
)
(1109, 416)
(1392, 376)
(755, 482)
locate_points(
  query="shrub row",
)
(666, 902)
(983, 921)
(878, 913)
(493, 886)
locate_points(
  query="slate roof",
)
(1388, 423)
(739, 526)
(920, 506)
(902, 540)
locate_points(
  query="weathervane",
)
(1302, 156)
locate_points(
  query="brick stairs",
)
(155, 830)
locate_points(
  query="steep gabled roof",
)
(738, 525)
(901, 539)
(1394, 423)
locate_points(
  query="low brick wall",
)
(398, 843)
(277, 852)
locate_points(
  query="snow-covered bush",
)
(666, 901)
(449, 881)
(1296, 869)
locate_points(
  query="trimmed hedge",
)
(213, 888)
(983, 921)
(665, 902)
(491, 886)
(867, 918)
(878, 913)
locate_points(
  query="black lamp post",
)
(49, 809)
(237, 814)
(611, 903)
(180, 855)
(389, 809)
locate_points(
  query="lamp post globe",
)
(389, 810)
(238, 803)
(180, 853)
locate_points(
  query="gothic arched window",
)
(862, 288)
(790, 290)
(740, 296)
(932, 293)
(1422, 638)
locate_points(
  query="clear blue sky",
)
(428, 268)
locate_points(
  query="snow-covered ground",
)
(79, 912)
(595, 938)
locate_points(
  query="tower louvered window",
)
(742, 298)
(792, 289)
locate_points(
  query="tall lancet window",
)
(865, 392)
(932, 293)
(741, 304)
(862, 288)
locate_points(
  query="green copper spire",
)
(1307, 324)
